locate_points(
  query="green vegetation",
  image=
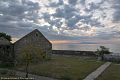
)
(111, 73)
(30, 54)
(5, 65)
(101, 51)
(64, 67)
(8, 37)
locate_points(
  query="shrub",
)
(101, 51)
(6, 65)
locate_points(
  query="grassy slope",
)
(111, 73)
(75, 68)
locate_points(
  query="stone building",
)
(35, 38)
(6, 51)
(9, 51)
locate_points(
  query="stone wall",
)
(7, 53)
(77, 53)
(36, 39)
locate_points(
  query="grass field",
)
(66, 67)
(111, 73)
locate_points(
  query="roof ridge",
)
(35, 30)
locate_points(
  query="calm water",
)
(86, 47)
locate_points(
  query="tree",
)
(30, 54)
(101, 51)
(8, 37)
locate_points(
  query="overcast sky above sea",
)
(63, 21)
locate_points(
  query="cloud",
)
(61, 19)
(116, 6)
(73, 2)
(16, 15)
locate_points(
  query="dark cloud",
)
(13, 29)
(14, 13)
(82, 2)
(66, 12)
(72, 21)
(59, 13)
(93, 6)
(116, 7)
(22, 16)
(61, 2)
(73, 2)
(17, 9)
(54, 4)
(7, 18)
(70, 13)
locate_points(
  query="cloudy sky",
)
(63, 21)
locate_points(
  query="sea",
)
(115, 48)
